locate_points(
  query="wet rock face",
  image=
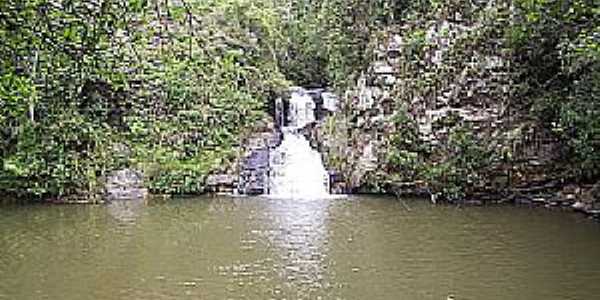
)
(125, 184)
(254, 173)
(250, 173)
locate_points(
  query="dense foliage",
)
(167, 87)
(170, 87)
(327, 40)
(557, 66)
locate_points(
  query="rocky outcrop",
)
(254, 170)
(125, 184)
(249, 175)
(434, 93)
(221, 183)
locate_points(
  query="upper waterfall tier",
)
(301, 111)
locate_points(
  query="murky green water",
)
(253, 248)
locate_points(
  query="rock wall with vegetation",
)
(464, 100)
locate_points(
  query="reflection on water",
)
(298, 232)
(282, 250)
(125, 211)
(255, 248)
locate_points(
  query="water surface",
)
(256, 248)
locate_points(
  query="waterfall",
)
(297, 170)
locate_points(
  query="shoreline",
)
(588, 210)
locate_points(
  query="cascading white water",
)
(301, 111)
(296, 169)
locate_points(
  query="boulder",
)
(125, 184)
(580, 206)
(220, 179)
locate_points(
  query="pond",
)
(257, 248)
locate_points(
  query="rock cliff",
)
(435, 113)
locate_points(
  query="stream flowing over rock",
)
(297, 170)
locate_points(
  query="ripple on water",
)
(253, 248)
